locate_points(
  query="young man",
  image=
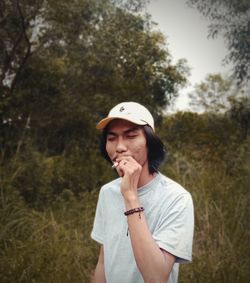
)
(144, 221)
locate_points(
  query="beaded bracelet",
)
(134, 210)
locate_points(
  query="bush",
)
(221, 219)
(47, 206)
(49, 246)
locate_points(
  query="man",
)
(144, 221)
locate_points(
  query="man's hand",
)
(130, 170)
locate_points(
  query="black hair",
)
(156, 151)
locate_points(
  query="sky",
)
(187, 37)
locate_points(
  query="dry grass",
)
(51, 243)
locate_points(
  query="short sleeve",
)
(174, 232)
(97, 233)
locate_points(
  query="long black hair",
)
(156, 151)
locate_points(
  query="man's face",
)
(126, 139)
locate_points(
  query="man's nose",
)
(121, 146)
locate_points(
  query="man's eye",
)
(131, 136)
(110, 138)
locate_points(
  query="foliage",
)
(222, 231)
(223, 96)
(196, 136)
(230, 18)
(41, 179)
(212, 94)
(49, 246)
(209, 157)
(64, 65)
(45, 235)
(240, 112)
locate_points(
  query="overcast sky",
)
(187, 37)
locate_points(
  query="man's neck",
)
(145, 177)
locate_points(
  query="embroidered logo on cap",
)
(122, 109)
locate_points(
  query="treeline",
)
(63, 66)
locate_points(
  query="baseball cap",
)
(130, 111)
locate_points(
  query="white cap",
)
(129, 111)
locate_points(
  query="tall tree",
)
(231, 19)
(240, 112)
(217, 94)
(65, 64)
(212, 94)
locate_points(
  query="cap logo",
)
(122, 109)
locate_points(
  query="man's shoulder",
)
(172, 185)
(112, 185)
(171, 192)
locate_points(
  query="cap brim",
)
(104, 122)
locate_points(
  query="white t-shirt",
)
(170, 217)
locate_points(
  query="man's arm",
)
(99, 275)
(154, 264)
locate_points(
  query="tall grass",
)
(50, 242)
(221, 240)
(47, 246)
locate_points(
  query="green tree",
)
(217, 95)
(85, 56)
(65, 64)
(196, 136)
(212, 94)
(240, 112)
(230, 18)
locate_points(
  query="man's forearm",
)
(154, 264)
(99, 275)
